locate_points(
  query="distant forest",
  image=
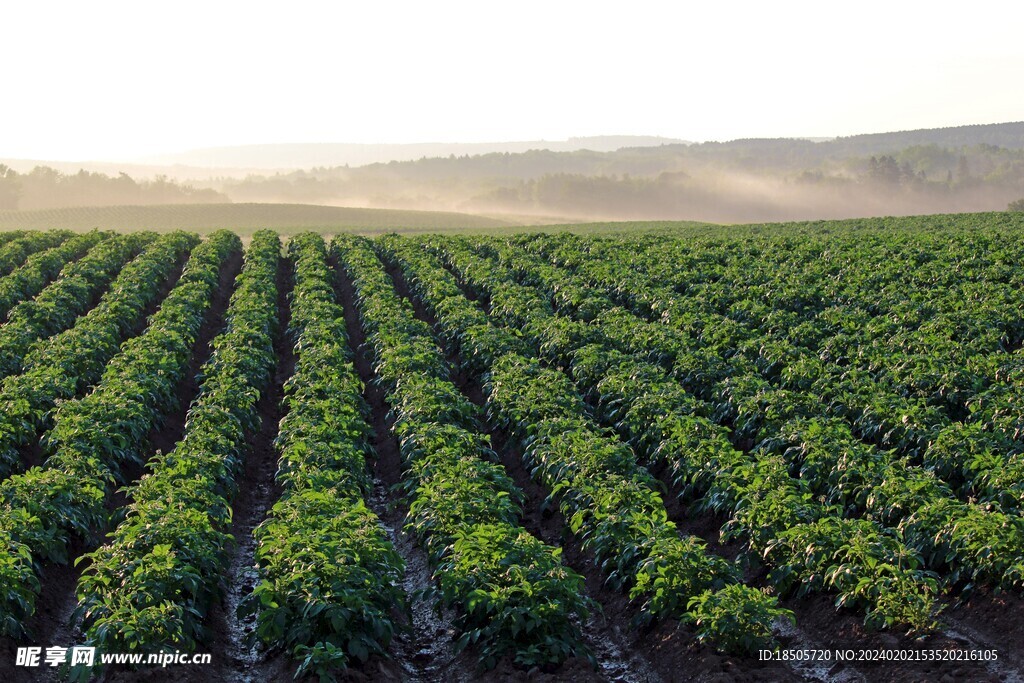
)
(46, 188)
(947, 170)
(969, 168)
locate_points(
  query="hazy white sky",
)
(122, 80)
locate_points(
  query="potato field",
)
(762, 453)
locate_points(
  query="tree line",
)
(47, 188)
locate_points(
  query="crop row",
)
(330, 579)
(873, 568)
(150, 586)
(609, 501)
(886, 364)
(512, 594)
(94, 435)
(777, 515)
(66, 364)
(11, 235)
(931, 301)
(777, 417)
(29, 278)
(968, 542)
(14, 253)
(61, 302)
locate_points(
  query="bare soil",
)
(422, 651)
(238, 658)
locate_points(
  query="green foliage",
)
(58, 305)
(514, 597)
(517, 597)
(330, 578)
(865, 567)
(91, 437)
(172, 547)
(608, 501)
(858, 428)
(838, 458)
(676, 569)
(737, 618)
(38, 269)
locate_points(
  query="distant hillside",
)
(944, 170)
(915, 172)
(938, 149)
(799, 154)
(295, 156)
(47, 188)
(176, 173)
(244, 218)
(1006, 135)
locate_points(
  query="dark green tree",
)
(885, 171)
(10, 188)
(963, 169)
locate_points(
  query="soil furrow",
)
(994, 619)
(622, 651)
(668, 647)
(423, 651)
(237, 657)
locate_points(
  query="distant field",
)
(245, 218)
(290, 219)
(994, 220)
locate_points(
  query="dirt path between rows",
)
(237, 657)
(624, 651)
(421, 652)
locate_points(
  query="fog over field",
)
(947, 170)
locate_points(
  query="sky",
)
(125, 80)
